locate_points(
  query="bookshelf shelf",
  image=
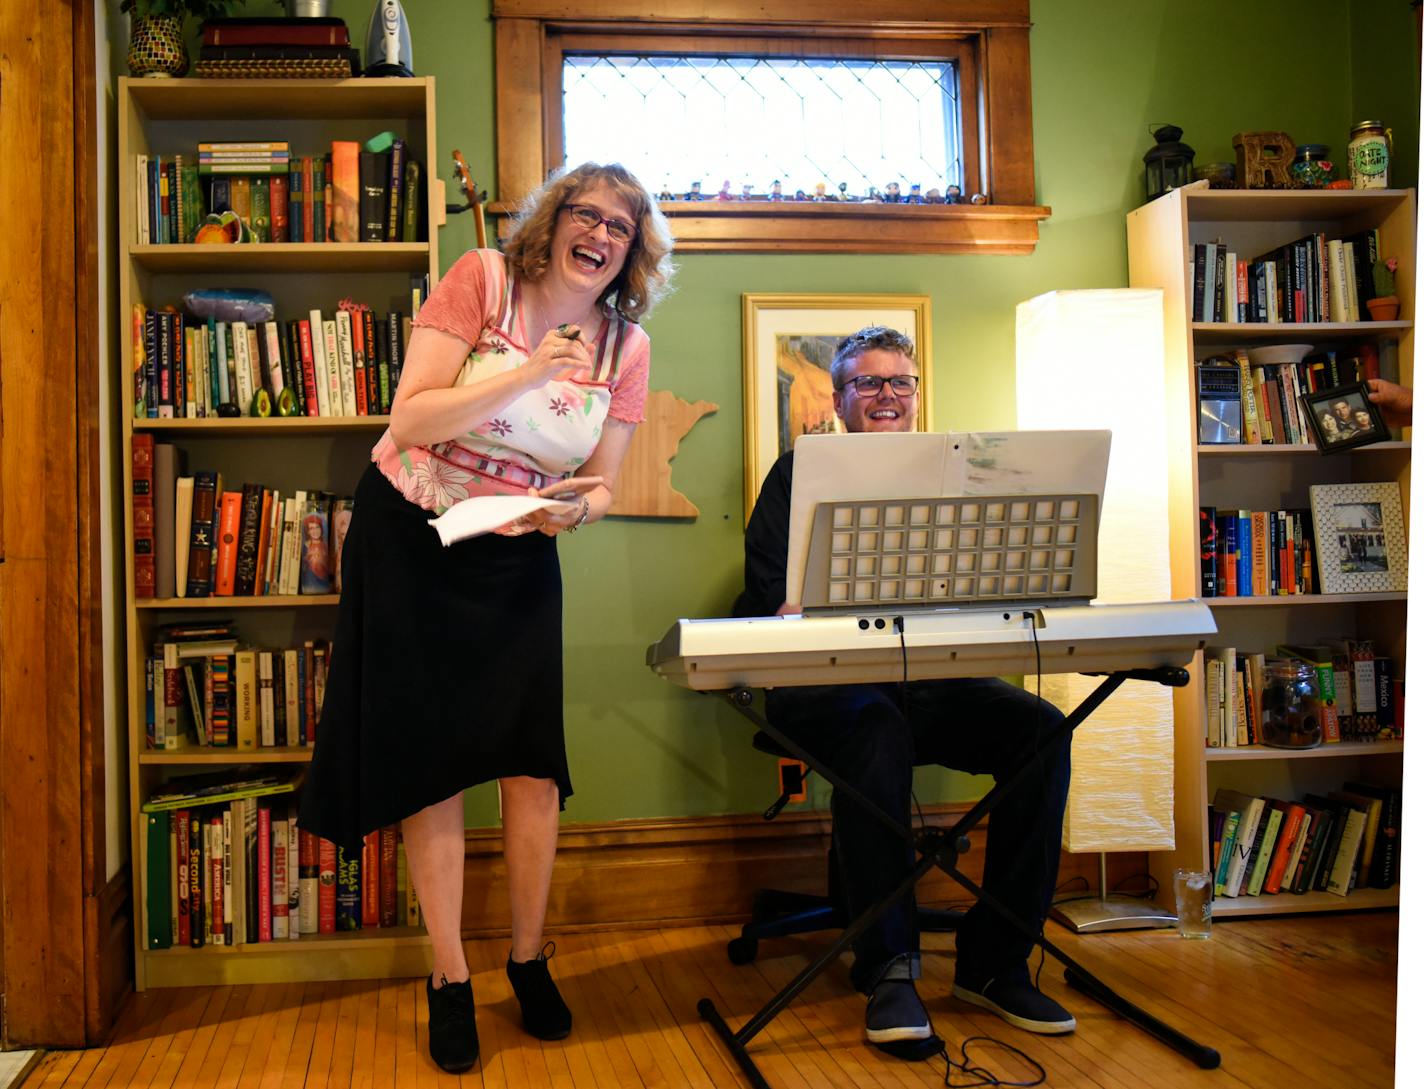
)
(1333, 750)
(1226, 907)
(1286, 331)
(1280, 600)
(219, 603)
(1161, 240)
(281, 257)
(282, 754)
(276, 425)
(1253, 450)
(325, 455)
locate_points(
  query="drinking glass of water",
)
(1193, 891)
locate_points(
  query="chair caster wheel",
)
(742, 950)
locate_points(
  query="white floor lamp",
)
(1094, 359)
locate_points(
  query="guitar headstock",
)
(467, 185)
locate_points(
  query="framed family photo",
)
(1343, 418)
(1359, 538)
(788, 342)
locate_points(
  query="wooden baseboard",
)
(695, 870)
(108, 922)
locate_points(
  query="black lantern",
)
(1169, 162)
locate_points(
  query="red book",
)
(185, 925)
(388, 876)
(229, 522)
(371, 880)
(345, 191)
(326, 895)
(279, 201)
(358, 349)
(326, 196)
(145, 569)
(307, 195)
(215, 876)
(309, 691)
(1285, 842)
(304, 337)
(267, 31)
(283, 871)
(264, 874)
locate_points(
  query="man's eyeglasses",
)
(870, 385)
(589, 218)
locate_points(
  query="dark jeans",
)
(982, 726)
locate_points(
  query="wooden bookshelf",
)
(1160, 239)
(167, 117)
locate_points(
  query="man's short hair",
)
(869, 339)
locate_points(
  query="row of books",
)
(1360, 698)
(240, 871)
(194, 538)
(348, 364)
(244, 698)
(1260, 553)
(1343, 840)
(346, 194)
(1272, 412)
(313, 47)
(1311, 279)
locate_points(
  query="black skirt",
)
(446, 671)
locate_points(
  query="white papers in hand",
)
(485, 513)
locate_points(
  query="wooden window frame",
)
(988, 39)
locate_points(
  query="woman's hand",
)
(560, 355)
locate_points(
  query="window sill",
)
(715, 226)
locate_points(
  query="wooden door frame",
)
(53, 932)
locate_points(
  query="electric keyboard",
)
(846, 648)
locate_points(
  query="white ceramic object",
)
(1278, 353)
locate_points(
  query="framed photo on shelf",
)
(1359, 538)
(788, 342)
(1343, 418)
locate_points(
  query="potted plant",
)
(156, 45)
(1385, 305)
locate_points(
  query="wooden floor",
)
(1302, 1001)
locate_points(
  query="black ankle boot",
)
(545, 1015)
(454, 1040)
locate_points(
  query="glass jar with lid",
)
(1291, 711)
(1369, 151)
(1312, 168)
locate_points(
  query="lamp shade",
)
(1094, 359)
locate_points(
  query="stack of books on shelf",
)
(193, 538)
(1246, 553)
(202, 688)
(1271, 410)
(1346, 839)
(345, 364)
(275, 48)
(227, 865)
(1359, 697)
(347, 193)
(1309, 280)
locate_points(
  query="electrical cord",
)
(1028, 614)
(982, 1076)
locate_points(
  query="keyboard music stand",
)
(883, 574)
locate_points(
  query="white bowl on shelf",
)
(1269, 354)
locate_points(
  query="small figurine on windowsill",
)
(819, 193)
(934, 197)
(842, 190)
(979, 198)
(800, 195)
(776, 189)
(665, 194)
(746, 191)
(952, 195)
(872, 196)
(914, 197)
(892, 193)
(695, 192)
(725, 193)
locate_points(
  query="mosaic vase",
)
(156, 46)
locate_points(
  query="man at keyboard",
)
(873, 735)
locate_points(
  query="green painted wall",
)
(1103, 72)
(1384, 80)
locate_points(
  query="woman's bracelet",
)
(582, 515)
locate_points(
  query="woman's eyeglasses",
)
(870, 385)
(589, 218)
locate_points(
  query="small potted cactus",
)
(1385, 305)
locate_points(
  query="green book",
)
(1228, 850)
(411, 203)
(197, 790)
(261, 218)
(160, 908)
(1265, 848)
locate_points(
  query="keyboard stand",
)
(941, 848)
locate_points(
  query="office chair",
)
(778, 913)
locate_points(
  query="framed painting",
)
(788, 342)
(1360, 546)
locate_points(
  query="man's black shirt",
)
(766, 544)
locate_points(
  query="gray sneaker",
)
(895, 1013)
(1019, 1003)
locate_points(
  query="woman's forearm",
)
(437, 415)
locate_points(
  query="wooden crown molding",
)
(970, 14)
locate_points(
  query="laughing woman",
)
(524, 368)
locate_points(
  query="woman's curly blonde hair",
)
(647, 271)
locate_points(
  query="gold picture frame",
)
(787, 342)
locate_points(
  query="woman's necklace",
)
(541, 324)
